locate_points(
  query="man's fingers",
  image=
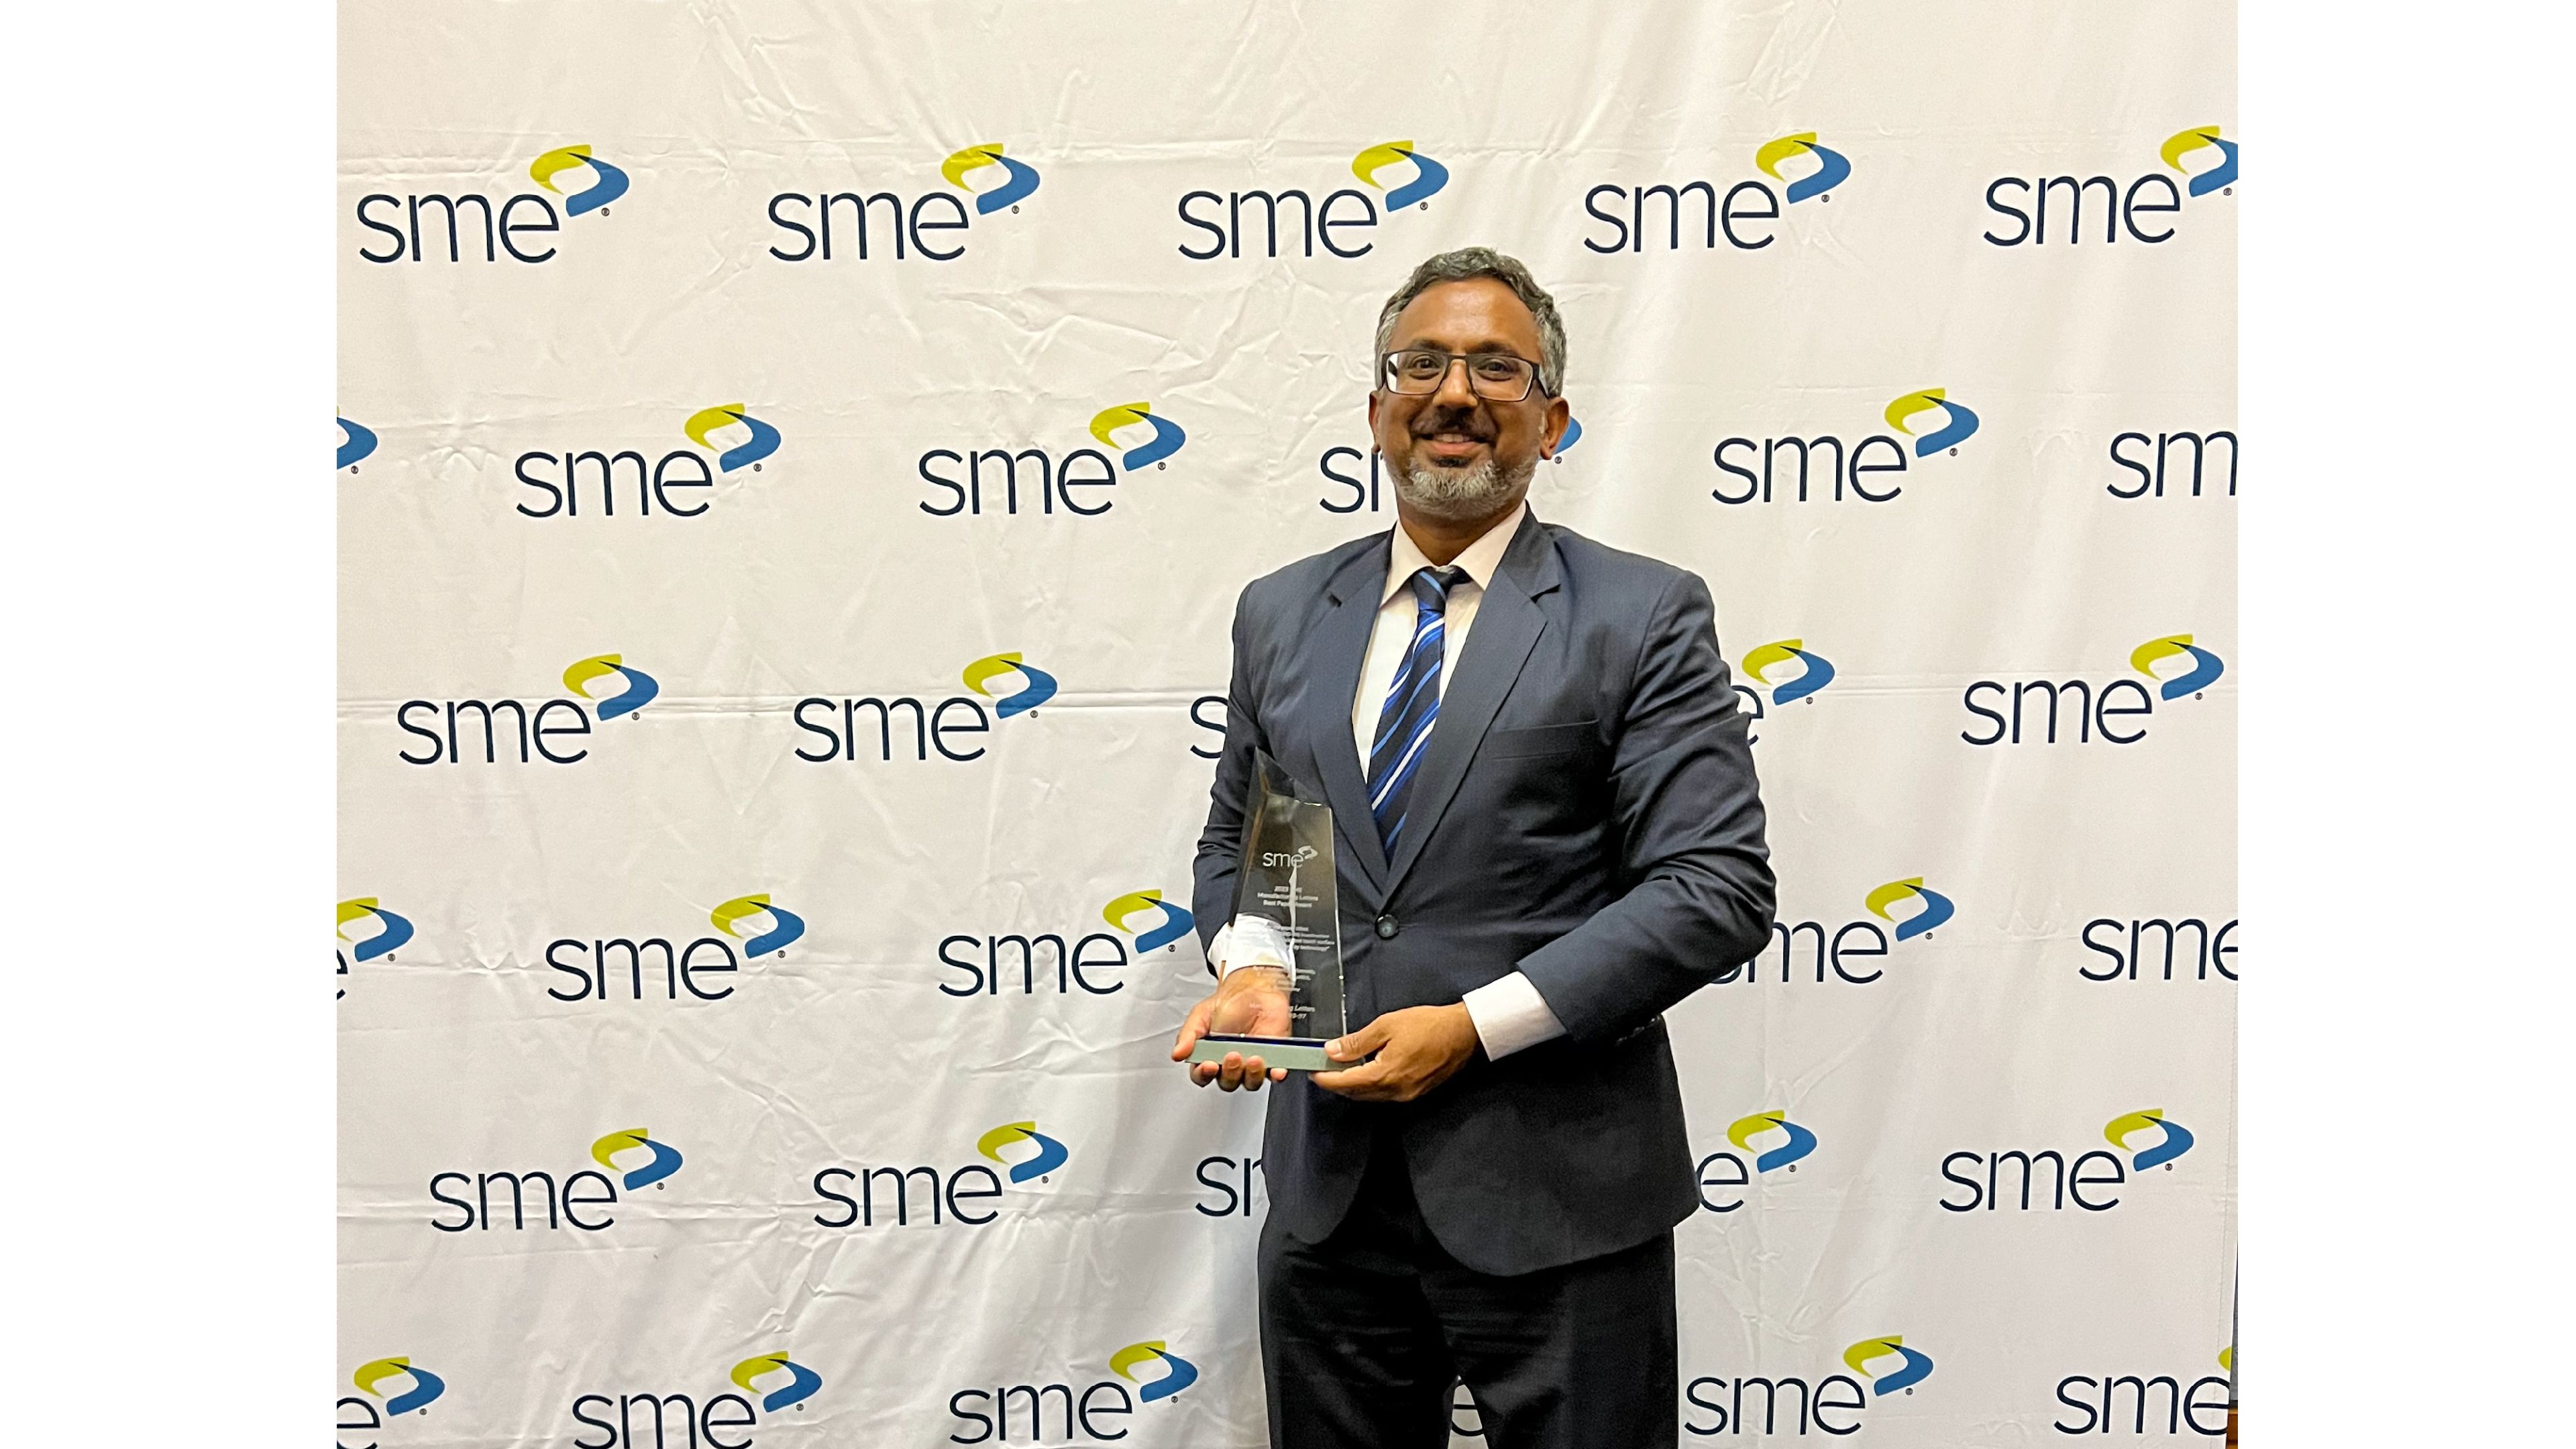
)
(1356, 1082)
(1194, 1027)
(1359, 1043)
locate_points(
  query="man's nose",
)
(1455, 392)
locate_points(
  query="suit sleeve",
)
(1688, 818)
(1221, 842)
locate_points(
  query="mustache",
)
(1470, 421)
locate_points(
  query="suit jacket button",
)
(1386, 928)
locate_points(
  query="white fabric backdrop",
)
(897, 1029)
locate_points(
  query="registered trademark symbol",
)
(1829, 201)
(1953, 453)
(755, 467)
(2168, 1167)
(1159, 467)
(1426, 206)
(1014, 211)
(2195, 694)
(354, 468)
(1793, 1167)
(2227, 191)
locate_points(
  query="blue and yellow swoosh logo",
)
(2183, 143)
(762, 443)
(1166, 441)
(397, 930)
(610, 185)
(2204, 671)
(785, 925)
(2177, 1140)
(356, 442)
(640, 690)
(1937, 908)
(1832, 169)
(1051, 1153)
(1915, 1369)
(1800, 1143)
(800, 1386)
(666, 1158)
(1959, 426)
(1174, 925)
(425, 1386)
(1428, 175)
(1819, 673)
(1019, 179)
(1179, 1373)
(1039, 689)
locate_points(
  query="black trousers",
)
(1363, 1334)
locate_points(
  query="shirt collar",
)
(1480, 559)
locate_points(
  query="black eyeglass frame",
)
(1386, 372)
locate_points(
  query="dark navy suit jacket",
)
(1585, 812)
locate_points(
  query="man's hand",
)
(1250, 1001)
(1417, 1049)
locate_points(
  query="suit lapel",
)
(1340, 649)
(1508, 623)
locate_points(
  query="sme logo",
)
(393, 1387)
(1008, 683)
(1868, 470)
(2202, 159)
(1140, 1374)
(627, 1162)
(865, 1197)
(603, 687)
(727, 437)
(2118, 709)
(435, 226)
(1745, 218)
(1792, 1406)
(1728, 1172)
(988, 479)
(934, 224)
(2088, 1180)
(666, 1419)
(1340, 221)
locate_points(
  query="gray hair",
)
(1465, 264)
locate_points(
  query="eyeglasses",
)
(1493, 376)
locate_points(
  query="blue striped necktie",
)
(1412, 706)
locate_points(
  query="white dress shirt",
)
(1509, 1013)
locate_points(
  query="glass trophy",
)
(1286, 916)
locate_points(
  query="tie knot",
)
(1431, 587)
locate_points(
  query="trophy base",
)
(1295, 1053)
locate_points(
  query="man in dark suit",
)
(1547, 832)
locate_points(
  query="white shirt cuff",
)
(1264, 944)
(1511, 1016)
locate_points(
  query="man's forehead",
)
(1467, 314)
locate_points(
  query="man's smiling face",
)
(1451, 453)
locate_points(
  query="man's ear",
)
(1559, 414)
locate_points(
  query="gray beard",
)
(1461, 493)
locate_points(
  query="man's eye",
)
(1499, 369)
